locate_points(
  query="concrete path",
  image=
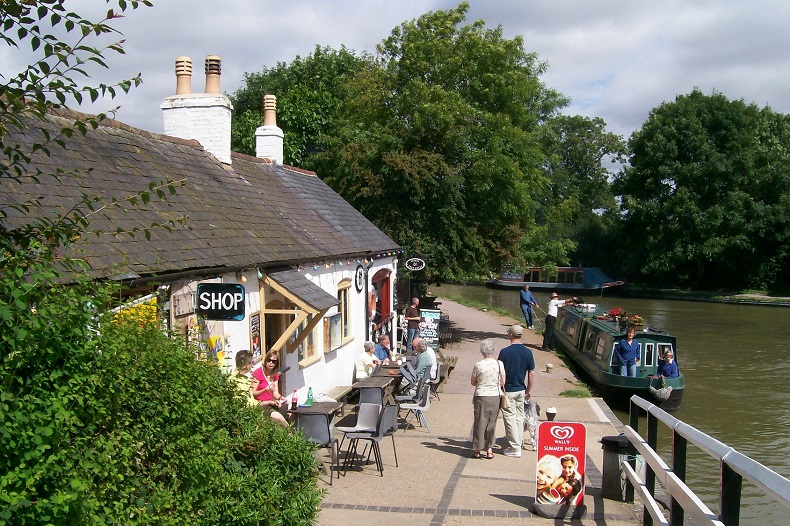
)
(438, 483)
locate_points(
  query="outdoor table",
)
(324, 408)
(384, 383)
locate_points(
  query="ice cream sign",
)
(220, 301)
(561, 463)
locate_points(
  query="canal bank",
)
(437, 481)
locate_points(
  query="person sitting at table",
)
(382, 350)
(265, 390)
(668, 368)
(426, 363)
(367, 362)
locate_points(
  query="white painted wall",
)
(333, 368)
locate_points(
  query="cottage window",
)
(344, 309)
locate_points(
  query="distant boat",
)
(566, 278)
(588, 334)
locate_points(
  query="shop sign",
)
(220, 301)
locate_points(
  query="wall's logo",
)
(561, 432)
(415, 264)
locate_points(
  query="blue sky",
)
(615, 59)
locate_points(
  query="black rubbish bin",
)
(615, 451)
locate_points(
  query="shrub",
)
(116, 422)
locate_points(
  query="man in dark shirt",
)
(412, 316)
(519, 366)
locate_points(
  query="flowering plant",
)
(617, 311)
(636, 318)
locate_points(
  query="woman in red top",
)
(264, 387)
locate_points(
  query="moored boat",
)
(565, 278)
(588, 334)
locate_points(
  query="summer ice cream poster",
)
(561, 463)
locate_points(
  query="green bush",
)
(107, 422)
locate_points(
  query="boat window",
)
(664, 347)
(599, 348)
(649, 359)
(579, 277)
(588, 345)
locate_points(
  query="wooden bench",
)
(450, 362)
(341, 394)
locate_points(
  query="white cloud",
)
(616, 59)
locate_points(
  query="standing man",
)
(551, 319)
(413, 317)
(382, 350)
(519, 366)
(526, 301)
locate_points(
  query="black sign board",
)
(220, 301)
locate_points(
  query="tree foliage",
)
(707, 194)
(579, 205)
(308, 95)
(104, 420)
(437, 142)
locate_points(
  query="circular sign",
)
(415, 264)
(359, 278)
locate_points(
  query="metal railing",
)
(735, 467)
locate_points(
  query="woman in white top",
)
(488, 375)
(367, 362)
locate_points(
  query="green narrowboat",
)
(588, 334)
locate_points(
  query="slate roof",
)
(250, 214)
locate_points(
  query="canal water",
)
(734, 361)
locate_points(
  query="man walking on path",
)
(519, 366)
(526, 301)
(551, 319)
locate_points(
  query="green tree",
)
(579, 203)
(705, 196)
(437, 142)
(104, 421)
(308, 95)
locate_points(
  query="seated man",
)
(367, 362)
(382, 351)
(668, 368)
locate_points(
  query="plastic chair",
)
(316, 428)
(371, 395)
(367, 419)
(408, 398)
(418, 409)
(441, 374)
(386, 426)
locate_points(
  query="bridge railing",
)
(735, 467)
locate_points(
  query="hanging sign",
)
(220, 301)
(561, 464)
(415, 264)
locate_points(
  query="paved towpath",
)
(436, 481)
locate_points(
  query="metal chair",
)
(316, 428)
(386, 426)
(418, 409)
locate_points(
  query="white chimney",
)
(204, 117)
(269, 138)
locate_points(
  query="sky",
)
(614, 59)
